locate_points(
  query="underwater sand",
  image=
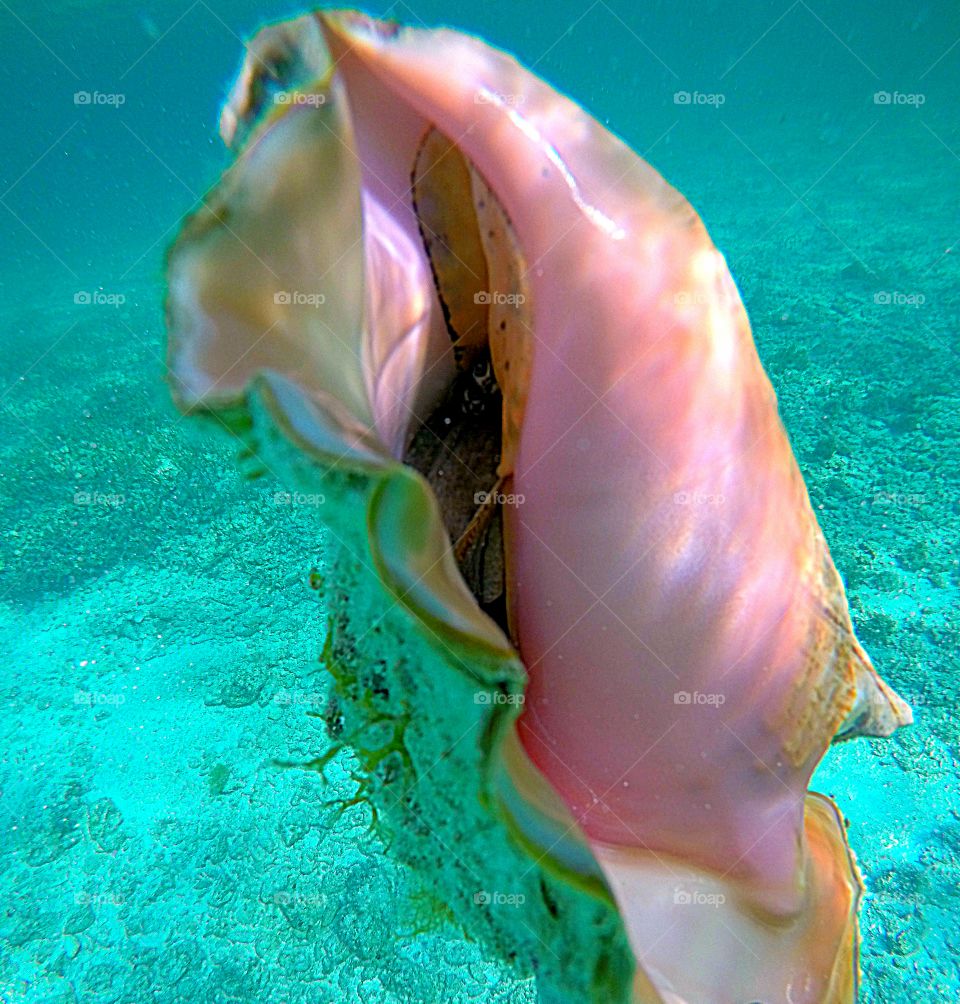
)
(161, 639)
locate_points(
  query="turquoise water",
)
(161, 637)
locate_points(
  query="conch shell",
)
(424, 253)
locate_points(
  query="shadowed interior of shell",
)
(466, 447)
